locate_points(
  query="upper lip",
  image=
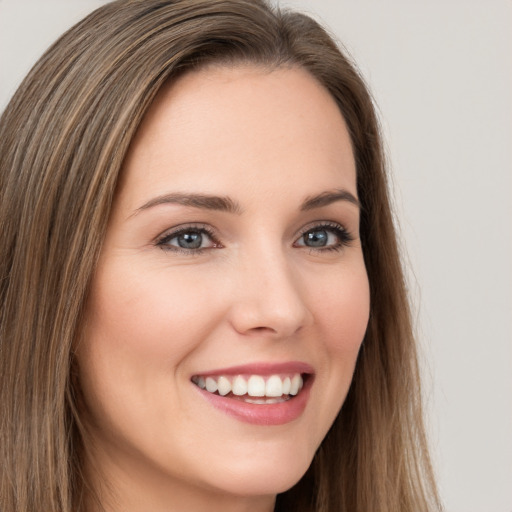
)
(262, 368)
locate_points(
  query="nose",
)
(269, 299)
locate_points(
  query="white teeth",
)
(224, 386)
(211, 385)
(256, 386)
(287, 383)
(239, 386)
(296, 384)
(274, 386)
(265, 400)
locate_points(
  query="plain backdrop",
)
(441, 73)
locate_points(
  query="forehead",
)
(221, 125)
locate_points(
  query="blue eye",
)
(325, 237)
(317, 238)
(188, 240)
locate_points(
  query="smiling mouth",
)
(253, 389)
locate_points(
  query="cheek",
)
(149, 314)
(342, 315)
(138, 330)
(343, 309)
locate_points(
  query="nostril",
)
(262, 329)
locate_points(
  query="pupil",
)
(316, 238)
(190, 240)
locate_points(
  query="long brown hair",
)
(63, 138)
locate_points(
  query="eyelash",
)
(162, 242)
(342, 234)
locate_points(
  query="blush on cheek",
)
(346, 310)
(152, 314)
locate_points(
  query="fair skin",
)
(188, 288)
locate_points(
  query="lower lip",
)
(262, 414)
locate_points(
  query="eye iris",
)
(316, 238)
(190, 240)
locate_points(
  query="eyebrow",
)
(226, 204)
(329, 197)
(202, 201)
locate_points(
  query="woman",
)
(202, 301)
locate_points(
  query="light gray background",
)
(441, 72)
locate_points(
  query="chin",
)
(263, 475)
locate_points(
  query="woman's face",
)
(232, 261)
